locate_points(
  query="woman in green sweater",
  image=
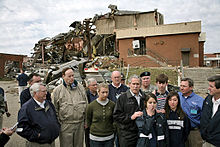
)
(100, 119)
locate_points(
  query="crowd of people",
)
(139, 114)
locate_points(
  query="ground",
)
(11, 90)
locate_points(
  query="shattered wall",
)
(8, 62)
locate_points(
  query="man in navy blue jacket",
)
(25, 94)
(37, 121)
(210, 118)
(116, 88)
(22, 81)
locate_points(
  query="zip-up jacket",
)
(155, 128)
(38, 124)
(70, 103)
(209, 126)
(125, 107)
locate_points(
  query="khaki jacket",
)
(70, 103)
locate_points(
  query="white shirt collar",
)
(39, 103)
(116, 86)
(139, 94)
(138, 97)
(216, 103)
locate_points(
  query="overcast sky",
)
(24, 22)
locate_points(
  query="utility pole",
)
(87, 27)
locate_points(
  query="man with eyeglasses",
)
(37, 121)
(91, 96)
(92, 90)
(116, 88)
(25, 94)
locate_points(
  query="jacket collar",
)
(73, 85)
(129, 94)
(38, 108)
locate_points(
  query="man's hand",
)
(136, 114)
(7, 131)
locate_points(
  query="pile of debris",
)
(82, 41)
(105, 62)
(11, 68)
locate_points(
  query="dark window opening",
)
(139, 47)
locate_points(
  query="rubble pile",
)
(106, 62)
(75, 43)
(11, 68)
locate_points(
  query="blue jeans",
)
(107, 143)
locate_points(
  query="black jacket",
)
(156, 126)
(209, 126)
(3, 139)
(26, 95)
(125, 107)
(34, 120)
(178, 129)
(22, 79)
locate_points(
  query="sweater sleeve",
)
(89, 115)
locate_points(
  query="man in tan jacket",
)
(70, 103)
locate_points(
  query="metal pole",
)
(42, 53)
(126, 78)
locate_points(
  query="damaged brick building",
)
(137, 38)
(142, 38)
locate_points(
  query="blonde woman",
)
(100, 119)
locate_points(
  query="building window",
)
(139, 47)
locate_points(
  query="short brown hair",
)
(162, 78)
(215, 79)
(190, 81)
(65, 69)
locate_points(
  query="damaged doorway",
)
(185, 56)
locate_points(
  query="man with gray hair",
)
(37, 121)
(25, 94)
(91, 96)
(92, 89)
(128, 107)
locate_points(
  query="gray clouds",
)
(23, 23)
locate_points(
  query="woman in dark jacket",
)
(152, 126)
(178, 122)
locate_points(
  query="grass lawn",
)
(170, 72)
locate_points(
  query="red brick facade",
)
(169, 49)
